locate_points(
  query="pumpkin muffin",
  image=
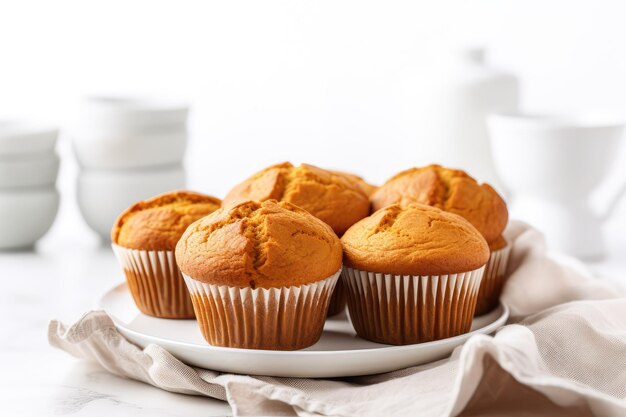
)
(412, 274)
(337, 198)
(455, 191)
(144, 237)
(260, 274)
(451, 190)
(328, 196)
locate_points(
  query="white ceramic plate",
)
(339, 353)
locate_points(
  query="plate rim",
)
(487, 329)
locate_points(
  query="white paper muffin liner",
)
(493, 280)
(282, 318)
(155, 282)
(406, 309)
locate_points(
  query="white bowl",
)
(103, 195)
(28, 170)
(26, 215)
(131, 114)
(20, 137)
(96, 150)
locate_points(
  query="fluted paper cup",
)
(282, 318)
(406, 309)
(155, 283)
(338, 300)
(493, 280)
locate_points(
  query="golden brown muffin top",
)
(448, 189)
(158, 223)
(259, 244)
(366, 187)
(328, 196)
(415, 239)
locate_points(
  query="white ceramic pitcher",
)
(452, 98)
(551, 164)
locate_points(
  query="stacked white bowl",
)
(29, 166)
(128, 149)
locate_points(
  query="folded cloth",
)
(563, 356)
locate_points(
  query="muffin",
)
(366, 187)
(144, 237)
(330, 197)
(260, 275)
(456, 192)
(412, 274)
(336, 198)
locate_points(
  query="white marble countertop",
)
(63, 278)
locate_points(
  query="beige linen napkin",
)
(563, 360)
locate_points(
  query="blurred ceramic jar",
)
(451, 101)
(103, 195)
(128, 149)
(29, 167)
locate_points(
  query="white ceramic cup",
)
(28, 170)
(26, 215)
(103, 195)
(22, 137)
(551, 164)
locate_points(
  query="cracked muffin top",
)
(450, 190)
(259, 244)
(328, 196)
(158, 223)
(415, 239)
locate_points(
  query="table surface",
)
(62, 278)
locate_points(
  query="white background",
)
(307, 81)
